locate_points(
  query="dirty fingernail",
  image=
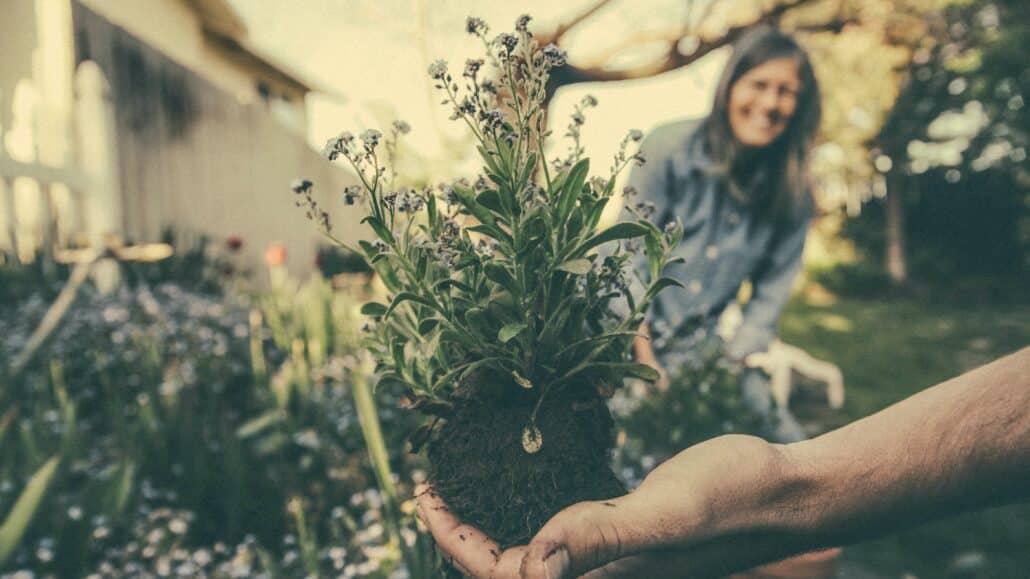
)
(556, 563)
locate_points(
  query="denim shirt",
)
(725, 243)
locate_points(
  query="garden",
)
(190, 414)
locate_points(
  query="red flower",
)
(234, 243)
(275, 255)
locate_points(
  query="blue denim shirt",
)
(725, 242)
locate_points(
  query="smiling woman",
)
(738, 182)
(763, 101)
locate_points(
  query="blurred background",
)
(179, 391)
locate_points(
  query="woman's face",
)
(763, 100)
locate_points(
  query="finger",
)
(466, 546)
(585, 536)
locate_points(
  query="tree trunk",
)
(897, 263)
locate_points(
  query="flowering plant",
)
(506, 290)
(498, 275)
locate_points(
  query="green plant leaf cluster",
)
(513, 277)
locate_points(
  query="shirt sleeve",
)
(771, 288)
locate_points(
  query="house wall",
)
(193, 157)
(173, 28)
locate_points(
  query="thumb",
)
(582, 537)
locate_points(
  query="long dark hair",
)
(784, 163)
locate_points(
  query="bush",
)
(859, 279)
(702, 401)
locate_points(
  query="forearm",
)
(642, 349)
(962, 444)
(734, 502)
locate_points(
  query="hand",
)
(667, 527)
(643, 352)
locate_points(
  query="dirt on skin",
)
(479, 467)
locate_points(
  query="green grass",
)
(889, 348)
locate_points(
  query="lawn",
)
(889, 348)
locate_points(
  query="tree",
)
(705, 27)
(954, 145)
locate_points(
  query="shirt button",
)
(711, 252)
(694, 287)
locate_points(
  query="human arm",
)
(771, 286)
(736, 501)
(643, 352)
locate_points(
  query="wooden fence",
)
(45, 205)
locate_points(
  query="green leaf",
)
(627, 230)
(488, 158)
(510, 331)
(380, 228)
(571, 189)
(654, 255)
(495, 232)
(500, 275)
(460, 372)
(368, 248)
(373, 309)
(433, 214)
(427, 325)
(527, 169)
(477, 320)
(579, 266)
(459, 337)
(446, 284)
(256, 425)
(405, 297)
(397, 351)
(659, 286)
(122, 489)
(593, 339)
(594, 214)
(388, 275)
(468, 200)
(622, 370)
(491, 200)
(5, 423)
(506, 153)
(24, 509)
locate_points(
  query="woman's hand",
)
(643, 352)
(667, 527)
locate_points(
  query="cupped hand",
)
(673, 525)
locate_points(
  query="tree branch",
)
(559, 32)
(597, 71)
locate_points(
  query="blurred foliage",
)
(703, 400)
(954, 146)
(191, 439)
(332, 260)
(198, 264)
(889, 348)
(20, 281)
(858, 279)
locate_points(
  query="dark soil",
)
(480, 469)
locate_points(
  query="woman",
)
(738, 182)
